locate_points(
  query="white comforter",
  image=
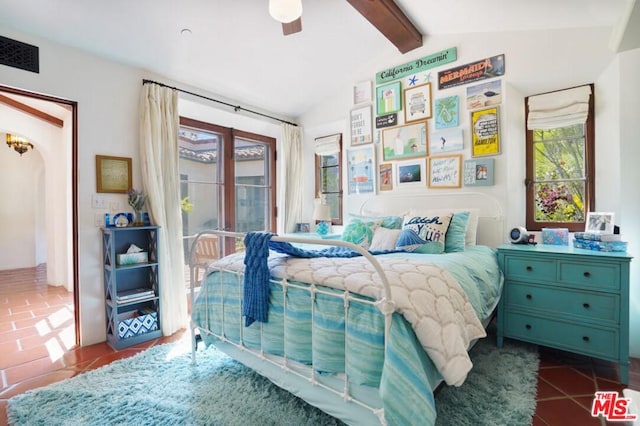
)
(425, 294)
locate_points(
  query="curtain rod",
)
(236, 108)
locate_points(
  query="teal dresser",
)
(566, 298)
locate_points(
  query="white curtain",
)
(559, 109)
(291, 195)
(161, 180)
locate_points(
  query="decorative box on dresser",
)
(567, 298)
(131, 285)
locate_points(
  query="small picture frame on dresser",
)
(303, 227)
(599, 222)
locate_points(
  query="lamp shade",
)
(322, 212)
(285, 11)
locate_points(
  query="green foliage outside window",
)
(330, 182)
(559, 183)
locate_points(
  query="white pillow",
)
(384, 239)
(472, 224)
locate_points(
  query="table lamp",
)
(322, 215)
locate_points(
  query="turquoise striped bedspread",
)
(405, 377)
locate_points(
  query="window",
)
(329, 174)
(227, 179)
(560, 183)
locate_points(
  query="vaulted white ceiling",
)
(235, 49)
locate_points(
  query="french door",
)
(227, 180)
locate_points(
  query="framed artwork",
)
(600, 222)
(410, 173)
(446, 112)
(385, 176)
(446, 141)
(485, 132)
(362, 92)
(417, 103)
(113, 174)
(402, 142)
(361, 170)
(388, 98)
(361, 125)
(444, 171)
(303, 227)
(484, 94)
(478, 172)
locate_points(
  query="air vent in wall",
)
(16, 54)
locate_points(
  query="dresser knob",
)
(529, 297)
(586, 305)
(529, 268)
(528, 326)
(585, 338)
(587, 274)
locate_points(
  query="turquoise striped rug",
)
(160, 386)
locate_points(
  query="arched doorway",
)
(40, 204)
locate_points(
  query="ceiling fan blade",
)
(292, 27)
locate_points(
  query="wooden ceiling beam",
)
(387, 17)
(32, 111)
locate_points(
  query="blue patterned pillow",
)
(410, 241)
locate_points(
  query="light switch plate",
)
(98, 201)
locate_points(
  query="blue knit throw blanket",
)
(256, 277)
(256, 272)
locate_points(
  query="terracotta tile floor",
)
(37, 348)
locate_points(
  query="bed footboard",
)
(283, 349)
(324, 345)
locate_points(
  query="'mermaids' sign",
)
(415, 66)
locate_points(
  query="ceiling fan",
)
(385, 15)
(289, 12)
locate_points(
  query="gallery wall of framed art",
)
(428, 123)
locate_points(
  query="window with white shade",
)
(560, 139)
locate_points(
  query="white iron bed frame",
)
(302, 379)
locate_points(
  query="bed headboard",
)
(491, 230)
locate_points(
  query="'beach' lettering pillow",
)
(429, 228)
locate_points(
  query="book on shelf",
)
(596, 236)
(135, 294)
(136, 299)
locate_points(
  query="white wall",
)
(107, 96)
(617, 172)
(536, 62)
(46, 198)
(629, 178)
(20, 189)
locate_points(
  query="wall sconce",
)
(285, 11)
(21, 145)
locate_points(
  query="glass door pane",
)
(200, 182)
(252, 186)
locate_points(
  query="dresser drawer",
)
(587, 340)
(580, 305)
(527, 269)
(592, 274)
